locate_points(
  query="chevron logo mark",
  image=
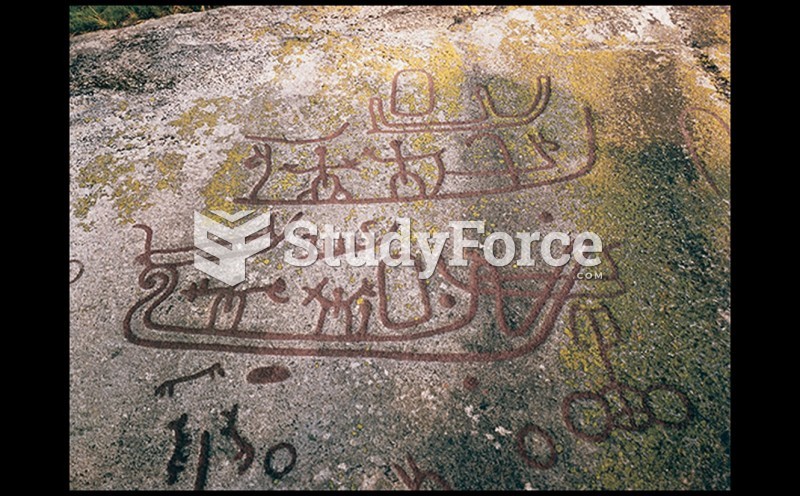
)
(226, 249)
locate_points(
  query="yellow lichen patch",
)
(314, 14)
(368, 173)
(285, 181)
(721, 56)
(710, 141)
(424, 143)
(101, 171)
(422, 206)
(107, 177)
(412, 92)
(640, 189)
(372, 63)
(591, 77)
(557, 28)
(82, 206)
(104, 177)
(707, 136)
(260, 32)
(292, 47)
(130, 196)
(525, 155)
(567, 29)
(448, 68)
(607, 475)
(229, 181)
(524, 57)
(510, 96)
(709, 25)
(203, 115)
(429, 172)
(469, 10)
(282, 29)
(615, 466)
(169, 166)
(364, 68)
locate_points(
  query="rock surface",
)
(605, 119)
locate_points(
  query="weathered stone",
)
(605, 119)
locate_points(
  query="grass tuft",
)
(86, 18)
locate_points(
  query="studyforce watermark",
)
(225, 250)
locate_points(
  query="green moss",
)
(675, 263)
(678, 282)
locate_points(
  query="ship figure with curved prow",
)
(417, 176)
(180, 310)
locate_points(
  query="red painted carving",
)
(336, 183)
(541, 293)
(634, 410)
(691, 144)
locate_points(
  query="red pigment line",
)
(228, 295)
(203, 462)
(544, 328)
(268, 375)
(524, 113)
(383, 310)
(681, 423)
(626, 417)
(246, 450)
(418, 477)
(327, 304)
(510, 167)
(270, 470)
(689, 142)
(523, 452)
(168, 387)
(376, 106)
(338, 304)
(578, 396)
(377, 114)
(252, 162)
(585, 169)
(313, 294)
(629, 410)
(431, 94)
(176, 463)
(80, 270)
(145, 257)
(538, 143)
(323, 177)
(471, 382)
(481, 123)
(162, 281)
